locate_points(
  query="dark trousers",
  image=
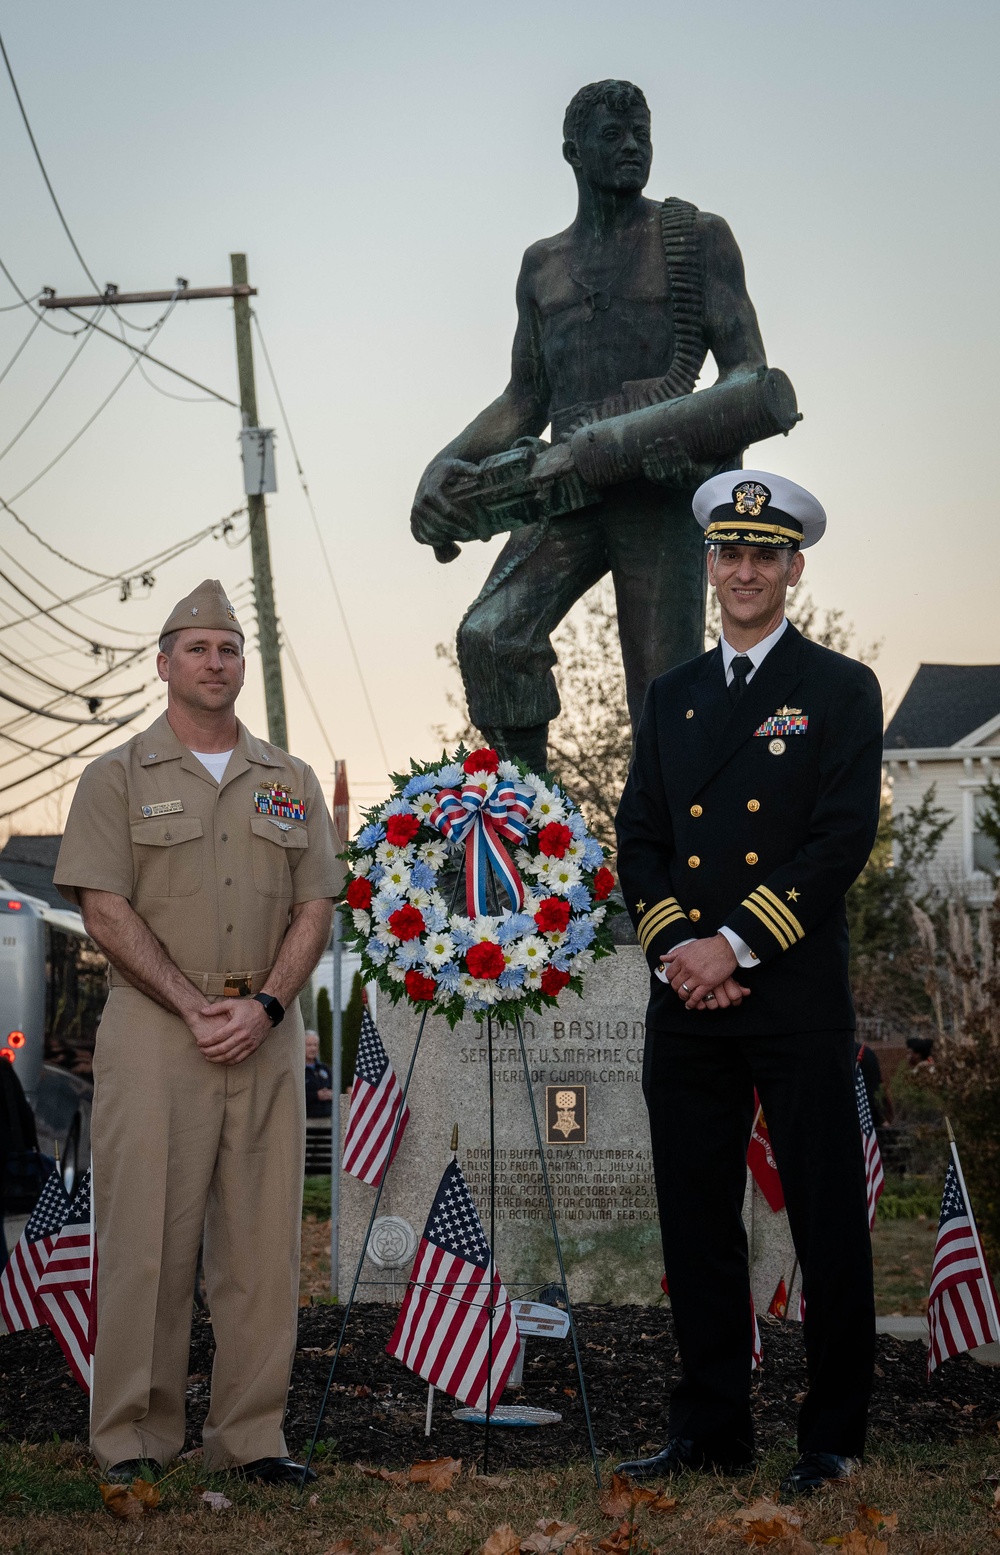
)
(699, 1091)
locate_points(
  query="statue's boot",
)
(521, 742)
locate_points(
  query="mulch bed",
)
(376, 1410)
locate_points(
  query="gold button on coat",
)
(753, 804)
(696, 810)
(694, 914)
(689, 713)
(751, 858)
(694, 861)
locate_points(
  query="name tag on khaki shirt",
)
(169, 807)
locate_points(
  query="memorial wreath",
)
(446, 917)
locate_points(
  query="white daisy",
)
(532, 951)
(396, 879)
(423, 805)
(487, 990)
(397, 973)
(418, 897)
(576, 850)
(389, 853)
(554, 938)
(547, 808)
(438, 949)
(509, 771)
(363, 864)
(560, 875)
(432, 853)
(362, 921)
(533, 978)
(581, 962)
(467, 985)
(484, 929)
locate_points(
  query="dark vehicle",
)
(53, 984)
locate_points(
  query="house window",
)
(985, 856)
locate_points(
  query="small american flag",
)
(961, 1307)
(757, 1349)
(19, 1281)
(68, 1288)
(874, 1176)
(443, 1332)
(375, 1102)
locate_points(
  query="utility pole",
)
(260, 550)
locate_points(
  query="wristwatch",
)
(273, 1009)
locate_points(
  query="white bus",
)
(53, 985)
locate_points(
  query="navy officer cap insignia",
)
(753, 507)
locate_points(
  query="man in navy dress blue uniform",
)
(751, 806)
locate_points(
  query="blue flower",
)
(577, 824)
(382, 907)
(449, 777)
(447, 977)
(376, 874)
(463, 939)
(561, 959)
(371, 835)
(435, 918)
(513, 927)
(593, 855)
(422, 783)
(579, 898)
(410, 954)
(512, 977)
(396, 807)
(378, 953)
(579, 935)
(423, 876)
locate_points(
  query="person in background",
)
(319, 1089)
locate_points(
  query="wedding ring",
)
(685, 987)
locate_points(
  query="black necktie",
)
(741, 667)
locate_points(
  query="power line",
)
(58, 760)
(39, 712)
(155, 360)
(319, 535)
(41, 164)
(24, 342)
(41, 406)
(307, 693)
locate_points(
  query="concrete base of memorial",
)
(585, 1070)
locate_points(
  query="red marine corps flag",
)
(760, 1159)
(962, 1307)
(455, 1327)
(375, 1102)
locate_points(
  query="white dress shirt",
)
(757, 654)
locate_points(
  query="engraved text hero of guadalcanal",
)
(615, 318)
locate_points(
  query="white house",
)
(946, 732)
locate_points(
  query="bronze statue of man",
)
(615, 314)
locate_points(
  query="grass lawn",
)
(942, 1499)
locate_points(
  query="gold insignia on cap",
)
(750, 499)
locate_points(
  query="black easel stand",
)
(492, 1308)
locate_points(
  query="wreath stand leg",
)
(364, 1248)
(556, 1241)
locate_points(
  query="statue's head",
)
(606, 136)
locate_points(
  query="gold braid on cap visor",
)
(721, 532)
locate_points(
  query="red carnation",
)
(485, 759)
(359, 893)
(401, 829)
(421, 989)
(406, 922)
(485, 959)
(554, 981)
(604, 884)
(552, 915)
(554, 839)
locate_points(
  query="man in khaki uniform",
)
(204, 862)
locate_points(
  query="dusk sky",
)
(384, 167)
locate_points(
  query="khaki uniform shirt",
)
(207, 868)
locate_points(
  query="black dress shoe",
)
(679, 1455)
(815, 1469)
(276, 1471)
(128, 1469)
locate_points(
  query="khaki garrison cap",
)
(205, 606)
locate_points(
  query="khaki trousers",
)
(185, 1150)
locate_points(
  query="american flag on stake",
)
(443, 1332)
(375, 1102)
(874, 1176)
(67, 1290)
(19, 1281)
(961, 1307)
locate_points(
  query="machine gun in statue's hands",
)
(677, 443)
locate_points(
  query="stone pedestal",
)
(585, 1073)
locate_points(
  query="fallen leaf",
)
(121, 1503)
(766, 1511)
(548, 1537)
(413, 1520)
(626, 1540)
(581, 1546)
(661, 1502)
(454, 1515)
(886, 1522)
(148, 1494)
(391, 1476)
(857, 1542)
(436, 1473)
(621, 1496)
(314, 1500)
(388, 1549)
(504, 1481)
(342, 1547)
(502, 1541)
(216, 1500)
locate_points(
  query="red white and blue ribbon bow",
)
(478, 820)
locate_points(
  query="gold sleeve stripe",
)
(768, 923)
(784, 911)
(660, 916)
(651, 926)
